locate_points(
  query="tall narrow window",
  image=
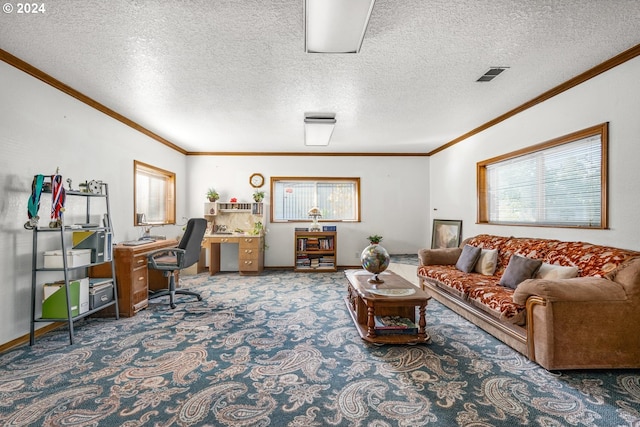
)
(559, 183)
(154, 195)
(337, 198)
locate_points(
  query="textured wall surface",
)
(612, 97)
(233, 75)
(42, 129)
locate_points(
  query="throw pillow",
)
(553, 272)
(518, 270)
(487, 262)
(468, 258)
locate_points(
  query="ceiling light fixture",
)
(335, 26)
(318, 128)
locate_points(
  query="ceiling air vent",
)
(491, 74)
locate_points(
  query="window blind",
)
(336, 199)
(558, 186)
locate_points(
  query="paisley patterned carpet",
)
(281, 350)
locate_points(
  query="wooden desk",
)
(132, 276)
(250, 252)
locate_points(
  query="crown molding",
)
(52, 81)
(579, 79)
(295, 153)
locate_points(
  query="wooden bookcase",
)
(316, 251)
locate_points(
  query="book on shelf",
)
(329, 228)
(256, 208)
(310, 244)
(393, 322)
(326, 244)
(327, 261)
(394, 325)
(405, 331)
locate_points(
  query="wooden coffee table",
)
(365, 301)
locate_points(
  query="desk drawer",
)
(138, 261)
(249, 265)
(249, 242)
(248, 253)
(218, 239)
(139, 287)
(140, 306)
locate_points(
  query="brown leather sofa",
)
(590, 321)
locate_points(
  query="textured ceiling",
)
(232, 75)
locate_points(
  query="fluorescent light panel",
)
(318, 128)
(336, 26)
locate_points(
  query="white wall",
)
(42, 129)
(612, 97)
(394, 193)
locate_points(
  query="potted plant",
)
(374, 239)
(212, 194)
(257, 229)
(258, 195)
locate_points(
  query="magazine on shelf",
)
(393, 322)
(404, 331)
(394, 325)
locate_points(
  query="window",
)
(337, 198)
(559, 183)
(154, 195)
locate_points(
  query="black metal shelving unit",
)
(64, 231)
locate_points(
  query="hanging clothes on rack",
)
(34, 202)
(58, 196)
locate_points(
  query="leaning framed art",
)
(446, 233)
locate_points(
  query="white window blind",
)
(152, 190)
(337, 199)
(154, 194)
(556, 186)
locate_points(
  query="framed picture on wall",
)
(446, 233)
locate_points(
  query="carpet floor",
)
(280, 349)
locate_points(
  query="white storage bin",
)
(75, 258)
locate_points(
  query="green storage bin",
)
(54, 306)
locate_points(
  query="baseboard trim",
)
(25, 338)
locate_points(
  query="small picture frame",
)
(446, 233)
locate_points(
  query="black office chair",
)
(184, 255)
